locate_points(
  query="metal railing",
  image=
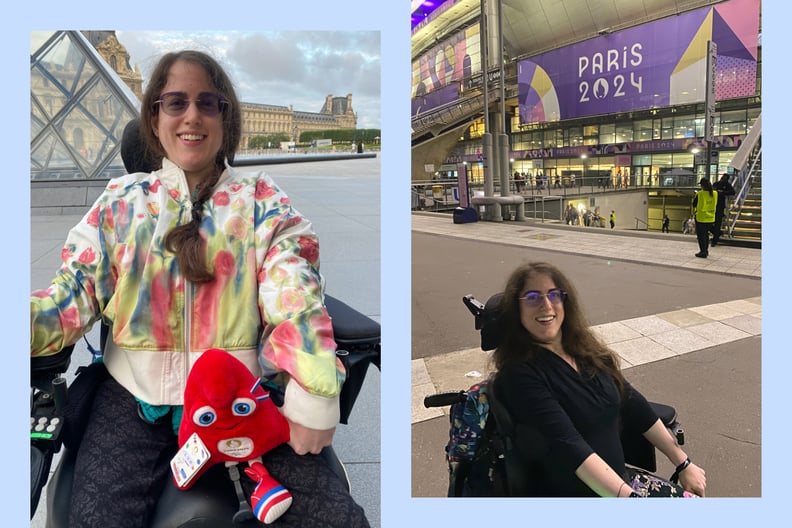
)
(744, 183)
(447, 114)
(582, 186)
(743, 155)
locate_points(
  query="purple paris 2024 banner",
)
(658, 64)
(442, 96)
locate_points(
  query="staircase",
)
(745, 214)
(744, 223)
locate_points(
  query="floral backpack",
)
(475, 449)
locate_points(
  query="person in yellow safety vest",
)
(612, 219)
(705, 203)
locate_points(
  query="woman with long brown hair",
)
(195, 254)
(560, 382)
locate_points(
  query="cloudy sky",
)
(298, 68)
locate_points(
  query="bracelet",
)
(679, 469)
(632, 491)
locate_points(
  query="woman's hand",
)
(304, 440)
(693, 479)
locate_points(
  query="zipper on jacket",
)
(188, 300)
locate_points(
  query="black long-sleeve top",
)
(568, 416)
(724, 189)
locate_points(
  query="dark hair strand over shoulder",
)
(185, 240)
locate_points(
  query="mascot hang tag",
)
(190, 458)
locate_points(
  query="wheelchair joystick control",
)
(59, 393)
(46, 420)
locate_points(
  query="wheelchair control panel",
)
(46, 418)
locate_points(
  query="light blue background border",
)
(398, 508)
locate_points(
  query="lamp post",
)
(583, 159)
(709, 102)
(697, 158)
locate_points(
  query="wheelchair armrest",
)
(666, 413)
(668, 416)
(357, 338)
(44, 369)
(350, 326)
(445, 399)
(638, 451)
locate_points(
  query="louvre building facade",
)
(83, 92)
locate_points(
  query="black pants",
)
(702, 234)
(718, 230)
(123, 463)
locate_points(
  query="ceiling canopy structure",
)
(531, 27)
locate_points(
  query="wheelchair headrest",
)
(133, 149)
(491, 325)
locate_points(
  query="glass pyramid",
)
(78, 110)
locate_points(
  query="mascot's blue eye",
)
(204, 416)
(243, 406)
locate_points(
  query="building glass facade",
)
(78, 110)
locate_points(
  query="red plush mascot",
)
(228, 417)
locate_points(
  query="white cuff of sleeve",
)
(309, 410)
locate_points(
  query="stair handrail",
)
(745, 181)
(743, 154)
(426, 119)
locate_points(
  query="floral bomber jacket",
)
(265, 305)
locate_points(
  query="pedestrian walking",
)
(666, 222)
(612, 219)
